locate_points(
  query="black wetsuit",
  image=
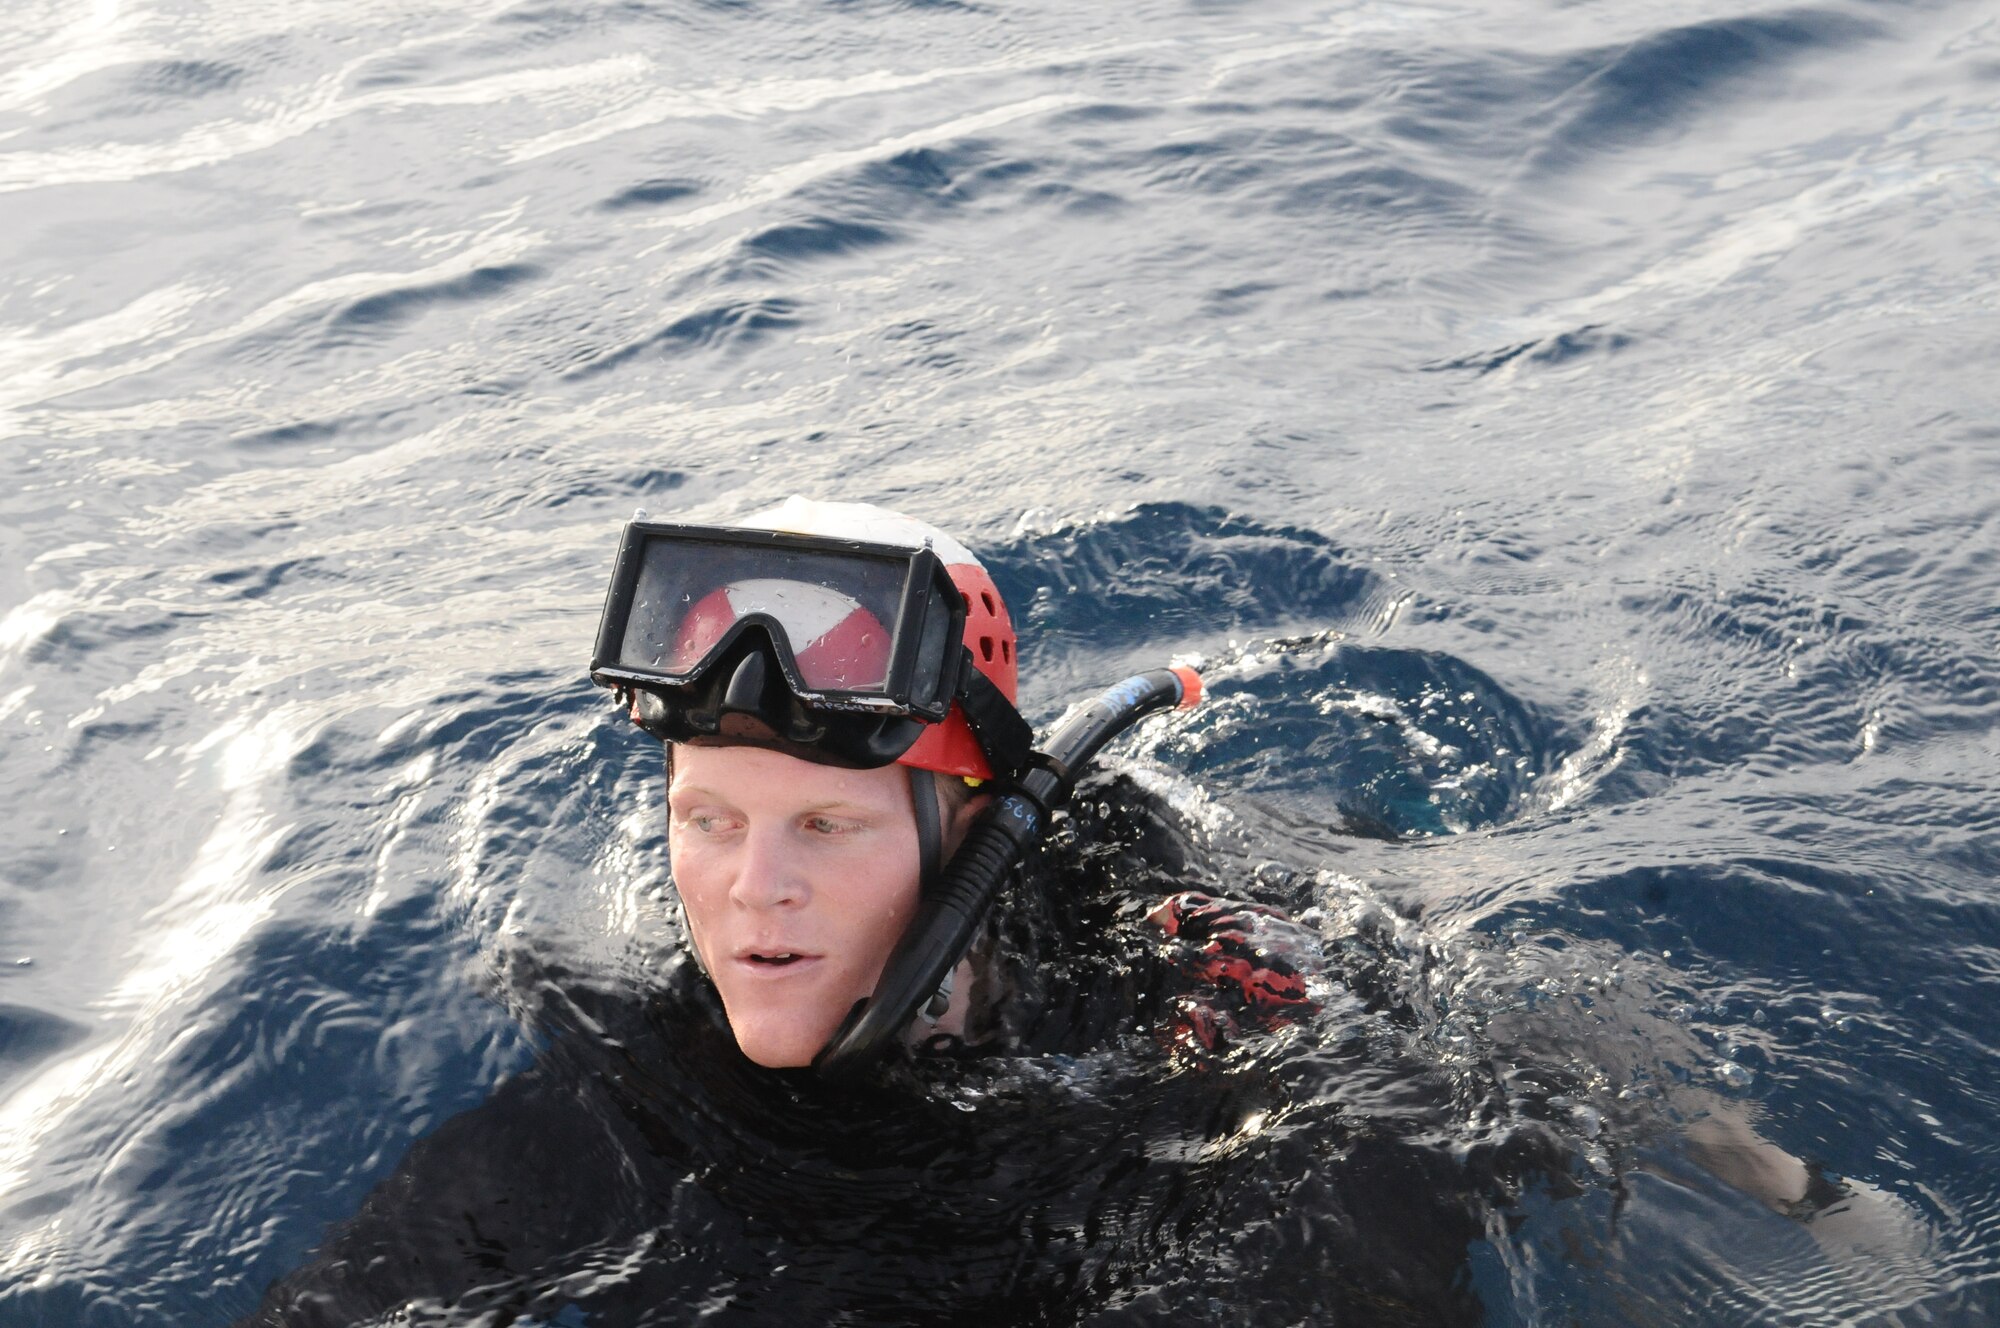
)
(643, 1172)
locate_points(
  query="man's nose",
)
(767, 875)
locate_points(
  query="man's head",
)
(799, 872)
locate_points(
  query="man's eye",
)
(825, 825)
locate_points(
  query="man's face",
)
(797, 879)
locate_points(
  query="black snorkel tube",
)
(950, 913)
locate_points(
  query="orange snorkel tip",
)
(1190, 686)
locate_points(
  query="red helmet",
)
(948, 748)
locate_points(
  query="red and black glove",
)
(1247, 953)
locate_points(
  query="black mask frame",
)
(752, 669)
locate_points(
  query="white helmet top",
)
(860, 521)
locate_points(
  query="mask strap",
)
(1005, 737)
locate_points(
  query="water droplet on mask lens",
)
(965, 1106)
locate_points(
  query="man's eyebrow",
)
(831, 804)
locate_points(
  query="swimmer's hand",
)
(1252, 955)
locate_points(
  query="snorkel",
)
(950, 913)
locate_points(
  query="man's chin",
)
(779, 1043)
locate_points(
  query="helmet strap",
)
(693, 950)
(930, 850)
(930, 832)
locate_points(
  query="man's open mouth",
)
(776, 960)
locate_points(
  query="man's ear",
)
(961, 820)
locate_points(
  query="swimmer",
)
(836, 686)
(849, 783)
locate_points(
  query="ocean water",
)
(1565, 432)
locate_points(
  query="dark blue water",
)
(1566, 433)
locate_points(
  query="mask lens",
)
(837, 643)
(829, 612)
